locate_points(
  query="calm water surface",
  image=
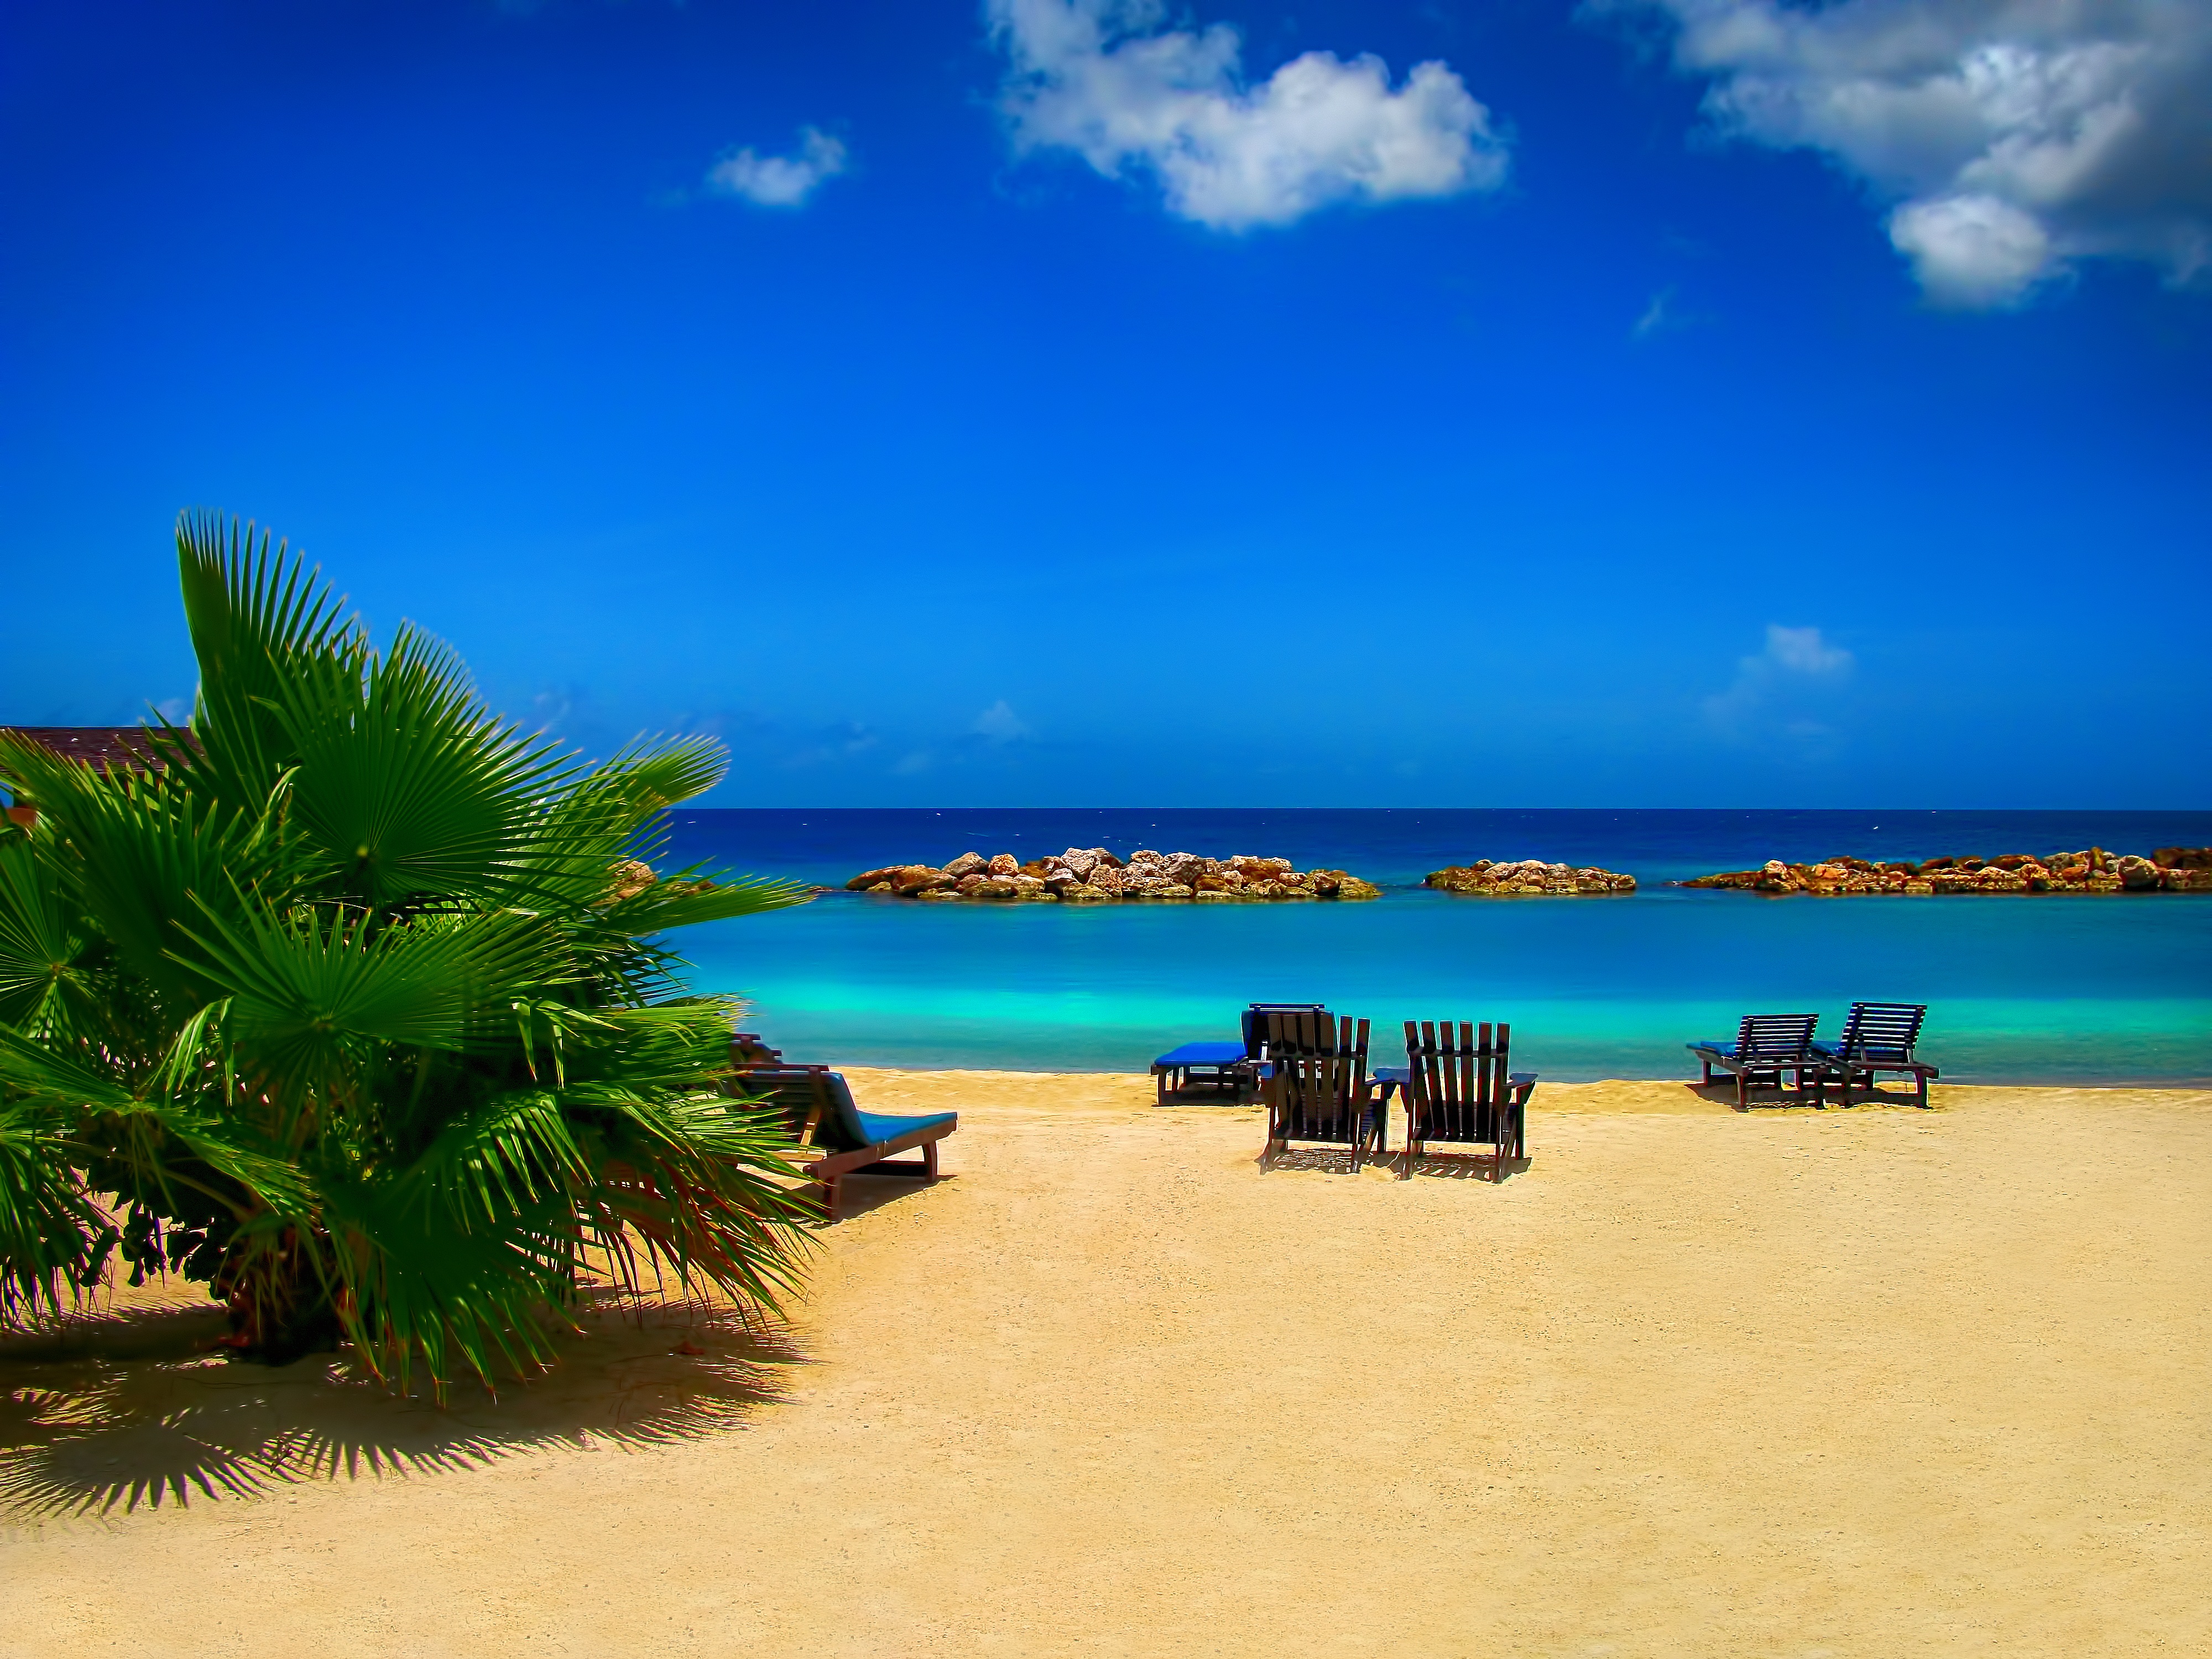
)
(2057, 990)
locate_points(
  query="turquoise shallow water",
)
(2056, 990)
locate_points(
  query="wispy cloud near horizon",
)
(1774, 689)
(1000, 723)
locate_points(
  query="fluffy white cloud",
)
(1100, 77)
(779, 180)
(2014, 135)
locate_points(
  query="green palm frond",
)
(48, 953)
(262, 622)
(49, 1227)
(319, 973)
(141, 851)
(410, 788)
(685, 900)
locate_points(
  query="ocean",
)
(2058, 990)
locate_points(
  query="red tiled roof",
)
(101, 745)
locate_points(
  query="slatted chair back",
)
(1256, 1023)
(1319, 1089)
(800, 1092)
(1775, 1039)
(1458, 1081)
(1881, 1031)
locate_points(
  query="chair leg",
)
(929, 1160)
(1742, 1098)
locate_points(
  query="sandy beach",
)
(1872, 1381)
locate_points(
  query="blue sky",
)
(1700, 402)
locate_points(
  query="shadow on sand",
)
(133, 1410)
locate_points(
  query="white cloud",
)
(1796, 665)
(1099, 77)
(2015, 136)
(779, 180)
(999, 723)
(1971, 250)
(911, 765)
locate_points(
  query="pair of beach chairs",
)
(1457, 1084)
(1878, 1037)
(820, 1115)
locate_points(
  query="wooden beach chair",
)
(1460, 1090)
(1317, 1086)
(1255, 1024)
(1878, 1036)
(1765, 1047)
(818, 1108)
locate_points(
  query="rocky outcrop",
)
(2170, 870)
(1527, 876)
(1091, 875)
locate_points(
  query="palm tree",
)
(353, 1007)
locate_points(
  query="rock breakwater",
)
(1527, 876)
(2093, 870)
(1091, 875)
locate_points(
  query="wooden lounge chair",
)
(1766, 1046)
(1317, 1086)
(1878, 1036)
(1459, 1090)
(818, 1107)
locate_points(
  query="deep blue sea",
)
(2058, 990)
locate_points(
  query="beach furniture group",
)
(820, 1115)
(1878, 1037)
(1311, 1068)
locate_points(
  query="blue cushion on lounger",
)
(1201, 1053)
(1875, 1053)
(857, 1129)
(878, 1128)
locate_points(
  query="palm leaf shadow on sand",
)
(133, 1410)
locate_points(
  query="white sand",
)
(1868, 1383)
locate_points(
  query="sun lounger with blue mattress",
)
(818, 1107)
(1224, 1064)
(1765, 1047)
(1878, 1036)
(1233, 1068)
